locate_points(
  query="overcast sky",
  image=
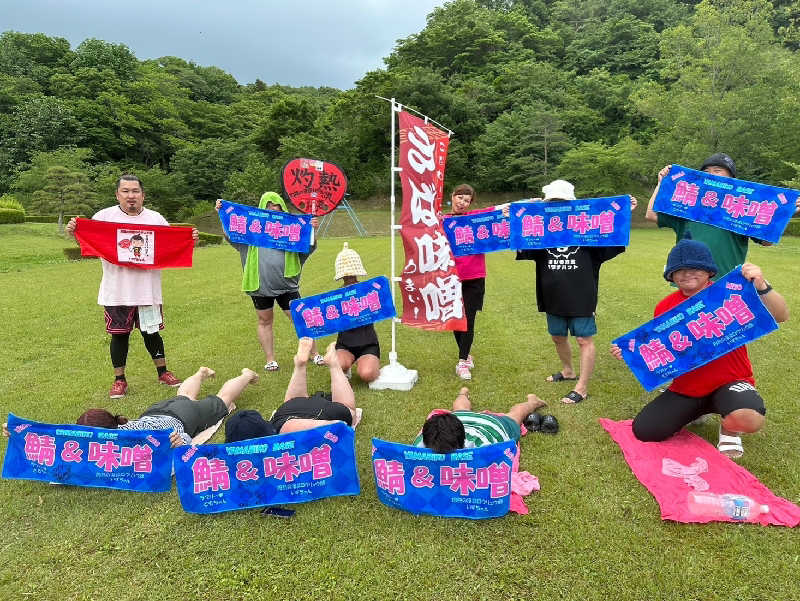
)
(294, 42)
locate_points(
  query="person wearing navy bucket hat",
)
(724, 386)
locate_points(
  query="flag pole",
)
(394, 376)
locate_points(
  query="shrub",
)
(73, 253)
(7, 201)
(793, 227)
(48, 218)
(209, 239)
(11, 216)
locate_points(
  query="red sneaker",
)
(118, 389)
(169, 379)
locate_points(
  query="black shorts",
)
(121, 319)
(669, 411)
(195, 416)
(472, 291)
(317, 406)
(262, 303)
(360, 351)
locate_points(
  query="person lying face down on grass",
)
(447, 431)
(300, 411)
(184, 414)
(724, 386)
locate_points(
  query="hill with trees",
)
(601, 93)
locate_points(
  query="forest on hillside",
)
(600, 92)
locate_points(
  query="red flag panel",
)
(430, 287)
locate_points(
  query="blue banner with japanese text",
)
(274, 470)
(469, 483)
(705, 326)
(584, 222)
(743, 207)
(477, 233)
(271, 229)
(342, 309)
(138, 460)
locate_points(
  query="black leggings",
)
(120, 343)
(472, 292)
(669, 411)
(464, 339)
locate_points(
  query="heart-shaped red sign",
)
(314, 187)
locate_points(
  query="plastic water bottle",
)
(736, 507)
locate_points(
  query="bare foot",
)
(537, 402)
(304, 346)
(251, 374)
(331, 357)
(463, 392)
(206, 372)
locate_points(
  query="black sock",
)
(162, 369)
(120, 377)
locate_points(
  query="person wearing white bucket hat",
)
(358, 346)
(567, 280)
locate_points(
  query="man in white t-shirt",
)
(132, 297)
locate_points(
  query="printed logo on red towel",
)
(136, 246)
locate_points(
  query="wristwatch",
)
(766, 290)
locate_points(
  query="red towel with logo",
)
(686, 463)
(137, 246)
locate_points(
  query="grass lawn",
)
(593, 532)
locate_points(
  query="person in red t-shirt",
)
(472, 273)
(724, 386)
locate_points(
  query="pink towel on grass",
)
(522, 483)
(672, 468)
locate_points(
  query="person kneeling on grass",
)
(357, 346)
(183, 414)
(445, 431)
(724, 386)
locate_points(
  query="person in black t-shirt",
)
(567, 279)
(358, 345)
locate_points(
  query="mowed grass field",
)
(594, 532)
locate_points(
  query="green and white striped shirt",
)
(482, 429)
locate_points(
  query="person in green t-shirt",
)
(727, 248)
(447, 431)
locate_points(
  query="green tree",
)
(728, 87)
(57, 182)
(206, 165)
(32, 55)
(290, 115)
(98, 54)
(167, 193)
(209, 84)
(63, 190)
(599, 170)
(40, 124)
(527, 142)
(250, 183)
